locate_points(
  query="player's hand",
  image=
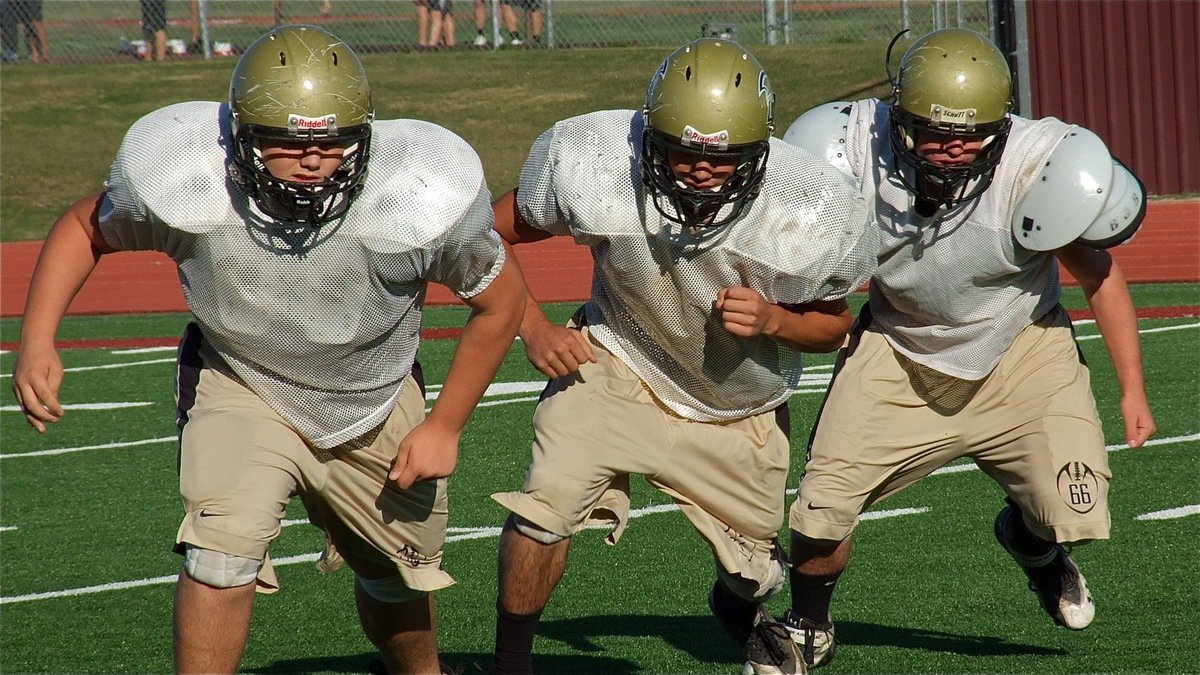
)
(1139, 421)
(428, 452)
(745, 313)
(556, 350)
(37, 377)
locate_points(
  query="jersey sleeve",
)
(537, 198)
(471, 255)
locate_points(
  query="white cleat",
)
(1065, 595)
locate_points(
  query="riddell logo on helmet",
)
(718, 140)
(322, 123)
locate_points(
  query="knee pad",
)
(755, 591)
(535, 532)
(391, 589)
(219, 570)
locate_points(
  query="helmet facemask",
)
(300, 86)
(938, 184)
(709, 99)
(308, 204)
(697, 208)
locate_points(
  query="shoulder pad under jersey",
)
(822, 132)
(423, 178)
(172, 162)
(1080, 193)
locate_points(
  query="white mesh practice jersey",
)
(322, 323)
(803, 239)
(953, 291)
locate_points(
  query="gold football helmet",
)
(709, 97)
(300, 84)
(954, 82)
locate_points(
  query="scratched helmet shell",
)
(299, 84)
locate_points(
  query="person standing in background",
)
(24, 16)
(154, 29)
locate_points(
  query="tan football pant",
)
(595, 429)
(1031, 425)
(240, 464)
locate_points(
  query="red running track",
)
(1166, 249)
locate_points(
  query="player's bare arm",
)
(1107, 294)
(431, 449)
(554, 350)
(67, 259)
(810, 327)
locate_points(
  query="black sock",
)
(1022, 539)
(811, 595)
(735, 613)
(514, 642)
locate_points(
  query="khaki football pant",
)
(1031, 425)
(594, 429)
(240, 464)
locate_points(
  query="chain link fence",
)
(79, 31)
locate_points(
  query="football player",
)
(305, 273)
(964, 349)
(720, 254)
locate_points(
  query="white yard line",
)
(110, 366)
(88, 406)
(454, 534)
(466, 533)
(1171, 514)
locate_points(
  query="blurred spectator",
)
(480, 23)
(422, 23)
(27, 16)
(195, 45)
(441, 24)
(533, 14)
(154, 29)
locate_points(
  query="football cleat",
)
(1055, 578)
(771, 649)
(814, 640)
(480, 41)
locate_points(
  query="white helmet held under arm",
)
(822, 132)
(1081, 194)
